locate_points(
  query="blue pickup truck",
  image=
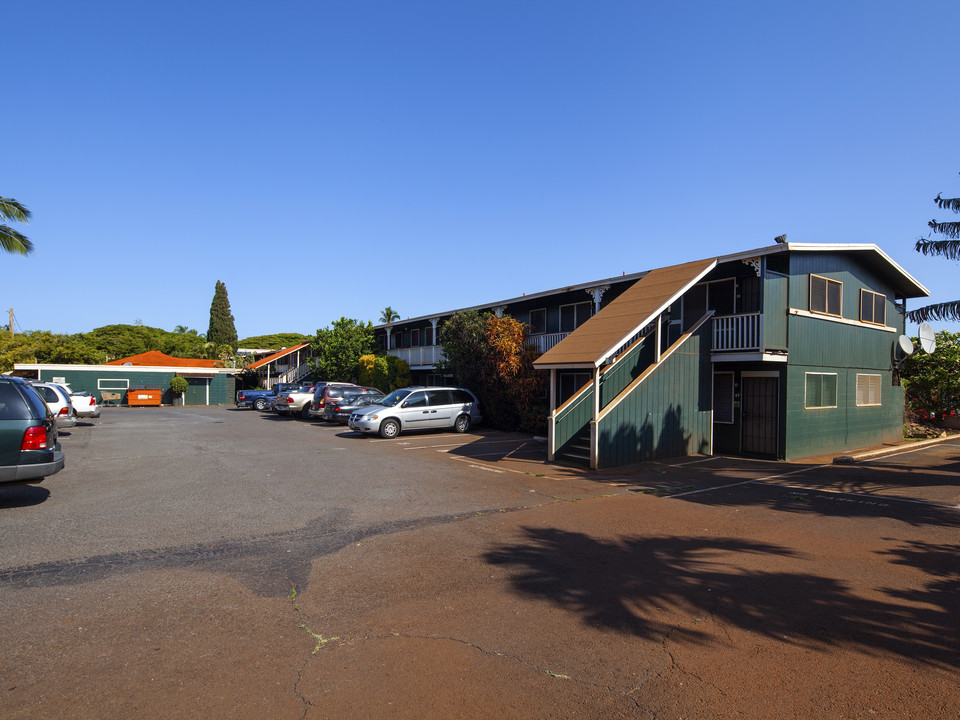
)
(263, 399)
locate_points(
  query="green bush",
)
(179, 385)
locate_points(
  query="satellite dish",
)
(126, 364)
(906, 345)
(928, 341)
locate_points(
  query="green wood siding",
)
(775, 289)
(846, 270)
(222, 386)
(846, 427)
(668, 414)
(574, 418)
(627, 370)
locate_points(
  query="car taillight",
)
(63, 411)
(35, 438)
(336, 408)
(92, 401)
(290, 400)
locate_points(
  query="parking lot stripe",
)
(885, 498)
(746, 482)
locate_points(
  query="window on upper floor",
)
(415, 338)
(868, 389)
(573, 316)
(538, 321)
(826, 296)
(820, 391)
(873, 307)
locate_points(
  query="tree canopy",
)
(222, 330)
(490, 355)
(948, 248)
(932, 381)
(337, 350)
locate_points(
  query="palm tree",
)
(389, 315)
(10, 240)
(950, 249)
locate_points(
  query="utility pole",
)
(11, 322)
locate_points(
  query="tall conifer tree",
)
(222, 330)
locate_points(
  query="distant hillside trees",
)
(275, 341)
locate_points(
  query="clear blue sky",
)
(463, 152)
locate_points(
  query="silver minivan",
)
(416, 408)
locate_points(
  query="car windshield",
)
(394, 398)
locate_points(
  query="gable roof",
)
(155, 358)
(591, 343)
(276, 356)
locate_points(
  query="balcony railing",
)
(419, 356)
(737, 332)
(545, 342)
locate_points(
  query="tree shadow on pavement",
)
(656, 586)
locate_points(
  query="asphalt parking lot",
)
(221, 563)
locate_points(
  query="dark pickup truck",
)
(263, 399)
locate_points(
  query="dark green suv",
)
(29, 450)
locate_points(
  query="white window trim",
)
(819, 407)
(879, 389)
(125, 386)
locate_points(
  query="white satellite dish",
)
(928, 341)
(128, 364)
(906, 345)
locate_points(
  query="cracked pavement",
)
(438, 577)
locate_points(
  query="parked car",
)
(294, 402)
(340, 410)
(85, 404)
(58, 400)
(416, 408)
(333, 392)
(29, 450)
(262, 399)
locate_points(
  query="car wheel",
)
(260, 404)
(389, 429)
(305, 412)
(462, 424)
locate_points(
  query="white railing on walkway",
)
(545, 342)
(737, 332)
(419, 356)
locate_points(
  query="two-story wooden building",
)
(786, 351)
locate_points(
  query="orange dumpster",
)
(144, 397)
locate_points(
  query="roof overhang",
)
(594, 342)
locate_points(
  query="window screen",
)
(873, 307)
(825, 295)
(821, 390)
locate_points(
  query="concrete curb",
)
(850, 459)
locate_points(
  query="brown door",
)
(759, 415)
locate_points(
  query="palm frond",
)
(14, 242)
(10, 209)
(948, 311)
(952, 204)
(950, 229)
(949, 249)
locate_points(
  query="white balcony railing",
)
(427, 355)
(737, 332)
(545, 342)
